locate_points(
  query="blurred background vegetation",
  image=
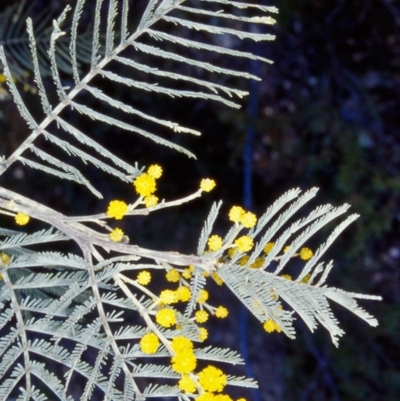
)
(326, 114)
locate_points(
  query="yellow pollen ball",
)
(149, 343)
(203, 334)
(184, 293)
(207, 184)
(116, 235)
(184, 362)
(181, 343)
(236, 213)
(306, 253)
(144, 277)
(221, 312)
(201, 316)
(212, 379)
(5, 258)
(186, 384)
(214, 243)
(145, 184)
(169, 297)
(203, 296)
(268, 247)
(244, 243)
(166, 317)
(21, 219)
(172, 276)
(150, 201)
(248, 220)
(117, 209)
(155, 171)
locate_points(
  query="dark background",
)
(326, 114)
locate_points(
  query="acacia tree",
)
(94, 314)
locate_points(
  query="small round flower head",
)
(248, 220)
(232, 252)
(236, 213)
(287, 277)
(145, 184)
(306, 253)
(187, 274)
(150, 201)
(217, 278)
(117, 209)
(5, 258)
(286, 249)
(155, 171)
(172, 276)
(181, 344)
(21, 219)
(184, 362)
(244, 243)
(214, 243)
(187, 385)
(306, 279)
(270, 326)
(166, 317)
(207, 184)
(203, 296)
(116, 235)
(258, 263)
(168, 297)
(201, 316)
(221, 312)
(184, 293)
(144, 277)
(212, 379)
(203, 334)
(149, 343)
(268, 247)
(243, 260)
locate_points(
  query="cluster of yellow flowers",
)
(244, 243)
(209, 382)
(22, 219)
(145, 186)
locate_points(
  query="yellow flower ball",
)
(221, 312)
(144, 277)
(306, 253)
(166, 317)
(244, 243)
(248, 220)
(184, 362)
(117, 209)
(207, 184)
(22, 219)
(214, 243)
(212, 379)
(155, 171)
(201, 316)
(236, 213)
(187, 385)
(150, 201)
(116, 235)
(145, 184)
(149, 343)
(172, 276)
